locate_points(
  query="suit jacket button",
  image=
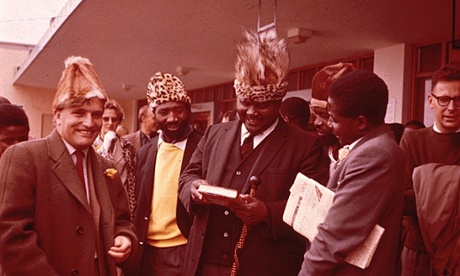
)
(238, 173)
(74, 272)
(79, 231)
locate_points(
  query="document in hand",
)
(307, 207)
(218, 195)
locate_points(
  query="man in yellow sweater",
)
(161, 221)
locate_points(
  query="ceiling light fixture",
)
(182, 71)
(299, 35)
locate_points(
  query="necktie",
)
(247, 146)
(80, 157)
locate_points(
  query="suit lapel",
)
(100, 187)
(225, 142)
(271, 146)
(64, 168)
(149, 169)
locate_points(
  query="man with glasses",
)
(439, 143)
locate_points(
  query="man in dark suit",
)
(161, 220)
(63, 209)
(148, 128)
(368, 182)
(277, 153)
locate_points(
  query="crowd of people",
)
(90, 200)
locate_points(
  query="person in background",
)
(439, 143)
(148, 128)
(122, 131)
(228, 116)
(161, 220)
(198, 126)
(63, 209)
(14, 126)
(259, 144)
(321, 82)
(413, 125)
(367, 182)
(113, 147)
(398, 131)
(296, 111)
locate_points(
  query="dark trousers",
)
(166, 261)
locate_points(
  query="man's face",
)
(110, 121)
(149, 124)
(447, 118)
(257, 117)
(173, 119)
(345, 129)
(80, 125)
(320, 122)
(12, 135)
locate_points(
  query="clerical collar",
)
(436, 129)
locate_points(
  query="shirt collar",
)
(436, 129)
(259, 137)
(72, 150)
(180, 144)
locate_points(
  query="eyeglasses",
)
(445, 100)
(107, 119)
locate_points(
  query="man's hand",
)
(197, 196)
(249, 209)
(121, 249)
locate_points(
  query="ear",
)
(361, 122)
(430, 101)
(57, 117)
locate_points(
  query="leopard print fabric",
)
(261, 93)
(165, 87)
(129, 153)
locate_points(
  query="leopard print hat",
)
(164, 87)
(261, 67)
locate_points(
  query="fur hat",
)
(164, 87)
(79, 82)
(261, 67)
(323, 79)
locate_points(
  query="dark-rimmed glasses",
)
(445, 100)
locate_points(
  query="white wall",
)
(393, 65)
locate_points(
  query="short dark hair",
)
(142, 112)
(13, 115)
(415, 123)
(112, 104)
(297, 109)
(361, 92)
(450, 72)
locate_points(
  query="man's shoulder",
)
(131, 136)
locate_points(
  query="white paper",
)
(307, 207)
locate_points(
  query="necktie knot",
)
(247, 146)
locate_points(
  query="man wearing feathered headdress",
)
(63, 209)
(259, 144)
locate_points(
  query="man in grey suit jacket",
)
(63, 209)
(368, 182)
(147, 129)
(278, 152)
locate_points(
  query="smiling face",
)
(257, 117)
(173, 120)
(79, 125)
(448, 117)
(345, 129)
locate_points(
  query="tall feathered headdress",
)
(261, 67)
(79, 82)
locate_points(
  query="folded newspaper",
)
(307, 207)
